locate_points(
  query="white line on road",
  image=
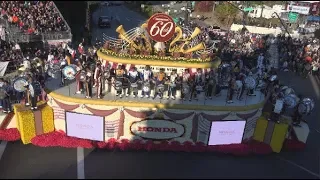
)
(3, 146)
(80, 163)
(298, 166)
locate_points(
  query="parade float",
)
(68, 119)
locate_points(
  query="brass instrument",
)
(178, 30)
(200, 46)
(124, 36)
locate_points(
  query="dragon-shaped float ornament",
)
(159, 37)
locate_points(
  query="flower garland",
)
(11, 134)
(60, 139)
(47, 119)
(26, 125)
(153, 57)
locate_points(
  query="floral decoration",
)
(47, 119)
(154, 57)
(27, 126)
(11, 134)
(248, 148)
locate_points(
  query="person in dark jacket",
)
(7, 106)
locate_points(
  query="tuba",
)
(123, 35)
(198, 47)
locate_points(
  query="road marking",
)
(3, 146)
(80, 163)
(298, 166)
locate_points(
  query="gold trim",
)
(154, 105)
(180, 64)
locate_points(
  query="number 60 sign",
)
(161, 27)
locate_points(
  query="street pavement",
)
(28, 161)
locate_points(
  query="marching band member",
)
(27, 94)
(146, 76)
(211, 84)
(240, 84)
(160, 79)
(97, 73)
(119, 78)
(62, 65)
(260, 61)
(198, 81)
(251, 90)
(98, 80)
(107, 80)
(88, 82)
(6, 103)
(133, 76)
(79, 83)
(185, 82)
(231, 88)
(172, 89)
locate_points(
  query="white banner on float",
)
(157, 68)
(299, 9)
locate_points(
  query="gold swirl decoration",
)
(140, 61)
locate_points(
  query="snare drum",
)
(118, 85)
(134, 85)
(199, 88)
(146, 87)
(160, 88)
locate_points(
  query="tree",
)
(203, 6)
(226, 12)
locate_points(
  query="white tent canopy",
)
(3, 67)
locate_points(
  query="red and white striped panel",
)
(115, 65)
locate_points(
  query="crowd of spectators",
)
(33, 16)
(11, 52)
(300, 55)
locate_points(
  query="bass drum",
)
(290, 100)
(19, 84)
(69, 72)
(250, 82)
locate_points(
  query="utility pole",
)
(187, 13)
